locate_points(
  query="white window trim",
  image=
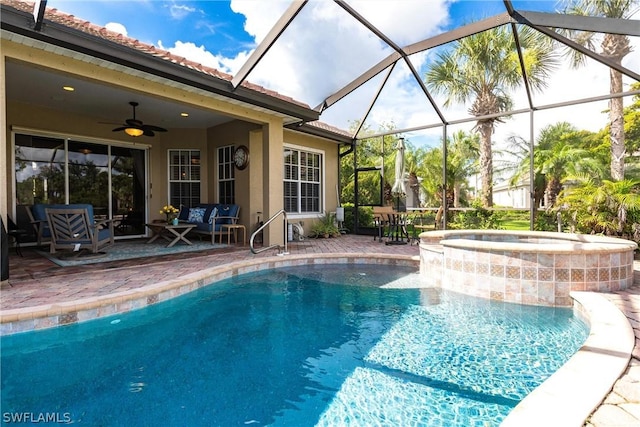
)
(217, 170)
(323, 204)
(169, 180)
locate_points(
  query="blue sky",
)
(209, 23)
(324, 49)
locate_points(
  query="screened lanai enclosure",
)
(517, 75)
(499, 104)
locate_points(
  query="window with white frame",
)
(184, 177)
(226, 177)
(302, 181)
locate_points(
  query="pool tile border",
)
(69, 312)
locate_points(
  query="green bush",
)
(365, 215)
(548, 221)
(478, 218)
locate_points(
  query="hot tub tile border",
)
(452, 255)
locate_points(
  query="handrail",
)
(263, 226)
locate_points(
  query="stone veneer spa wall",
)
(525, 267)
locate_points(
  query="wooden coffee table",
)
(171, 233)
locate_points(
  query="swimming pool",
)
(312, 345)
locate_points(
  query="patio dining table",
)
(398, 234)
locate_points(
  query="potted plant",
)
(325, 227)
(170, 212)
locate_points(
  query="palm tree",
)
(517, 164)
(462, 160)
(559, 151)
(615, 47)
(483, 68)
(558, 154)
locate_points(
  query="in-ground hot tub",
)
(528, 267)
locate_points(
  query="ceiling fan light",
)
(134, 131)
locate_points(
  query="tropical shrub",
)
(477, 218)
(325, 227)
(604, 207)
(365, 216)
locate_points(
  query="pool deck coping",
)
(574, 391)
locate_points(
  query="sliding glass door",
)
(88, 176)
(128, 195)
(55, 170)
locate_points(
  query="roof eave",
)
(322, 133)
(21, 23)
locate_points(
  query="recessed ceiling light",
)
(68, 88)
(184, 114)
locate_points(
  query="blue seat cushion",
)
(203, 226)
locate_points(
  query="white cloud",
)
(116, 28)
(325, 48)
(202, 56)
(180, 11)
(196, 53)
(260, 15)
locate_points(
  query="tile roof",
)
(324, 126)
(70, 21)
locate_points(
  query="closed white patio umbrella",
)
(398, 185)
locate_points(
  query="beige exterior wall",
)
(234, 133)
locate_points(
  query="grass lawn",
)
(515, 224)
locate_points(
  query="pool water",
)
(316, 345)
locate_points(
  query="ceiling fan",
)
(135, 127)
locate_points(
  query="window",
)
(184, 177)
(302, 181)
(226, 178)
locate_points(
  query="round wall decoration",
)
(241, 157)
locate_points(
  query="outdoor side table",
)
(168, 232)
(234, 228)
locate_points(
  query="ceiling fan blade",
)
(148, 132)
(134, 123)
(154, 128)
